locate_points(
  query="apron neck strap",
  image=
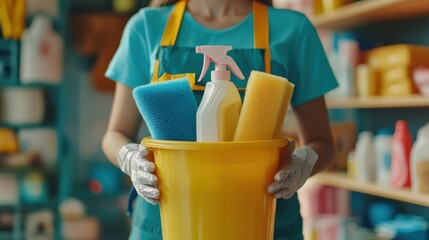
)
(260, 28)
(261, 31)
(173, 24)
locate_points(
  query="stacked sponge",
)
(264, 107)
(169, 109)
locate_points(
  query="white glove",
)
(132, 159)
(294, 172)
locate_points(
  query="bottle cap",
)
(401, 125)
(424, 131)
(385, 132)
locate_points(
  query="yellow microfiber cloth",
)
(264, 107)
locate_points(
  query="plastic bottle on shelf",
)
(365, 158)
(124, 6)
(383, 152)
(420, 161)
(219, 110)
(41, 53)
(46, 7)
(348, 58)
(351, 164)
(421, 79)
(401, 149)
(22, 106)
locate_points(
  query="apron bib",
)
(175, 62)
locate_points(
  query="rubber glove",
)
(294, 172)
(132, 159)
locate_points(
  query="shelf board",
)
(370, 11)
(19, 126)
(340, 180)
(28, 169)
(30, 85)
(30, 206)
(378, 102)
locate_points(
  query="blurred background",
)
(55, 182)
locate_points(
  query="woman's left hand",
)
(294, 171)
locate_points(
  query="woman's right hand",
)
(132, 159)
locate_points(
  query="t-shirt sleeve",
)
(310, 70)
(131, 62)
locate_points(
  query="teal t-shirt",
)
(294, 46)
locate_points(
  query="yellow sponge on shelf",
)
(264, 107)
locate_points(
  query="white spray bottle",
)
(219, 110)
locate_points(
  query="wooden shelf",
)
(378, 102)
(370, 11)
(340, 180)
(30, 206)
(30, 85)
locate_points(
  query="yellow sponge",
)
(264, 107)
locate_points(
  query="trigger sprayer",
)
(218, 112)
(217, 55)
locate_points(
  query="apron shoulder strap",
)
(261, 31)
(173, 24)
(260, 21)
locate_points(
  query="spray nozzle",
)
(217, 54)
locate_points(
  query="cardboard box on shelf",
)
(398, 56)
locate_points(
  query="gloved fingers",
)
(126, 156)
(148, 191)
(283, 193)
(291, 147)
(280, 175)
(274, 187)
(147, 178)
(146, 166)
(289, 183)
(151, 200)
(143, 150)
(146, 153)
(126, 151)
(292, 183)
(284, 174)
(289, 195)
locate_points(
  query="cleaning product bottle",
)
(219, 110)
(401, 148)
(365, 158)
(124, 6)
(41, 53)
(383, 152)
(420, 161)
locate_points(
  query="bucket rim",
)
(188, 145)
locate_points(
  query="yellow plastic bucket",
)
(216, 191)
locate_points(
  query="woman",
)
(162, 39)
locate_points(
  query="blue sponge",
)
(169, 109)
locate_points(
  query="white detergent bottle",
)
(365, 158)
(41, 53)
(420, 161)
(219, 110)
(383, 152)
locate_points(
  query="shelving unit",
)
(370, 11)
(378, 102)
(55, 177)
(340, 180)
(348, 18)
